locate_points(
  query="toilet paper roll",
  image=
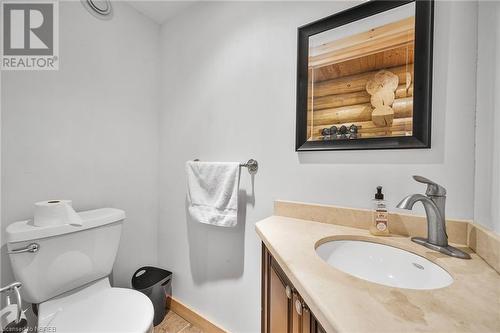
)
(8, 316)
(55, 212)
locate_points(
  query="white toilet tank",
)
(68, 256)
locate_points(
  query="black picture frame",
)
(422, 96)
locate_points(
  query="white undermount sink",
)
(383, 264)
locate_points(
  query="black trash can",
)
(155, 283)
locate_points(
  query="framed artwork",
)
(364, 78)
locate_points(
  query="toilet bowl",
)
(67, 275)
(97, 308)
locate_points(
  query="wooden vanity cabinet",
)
(283, 309)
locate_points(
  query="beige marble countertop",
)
(344, 303)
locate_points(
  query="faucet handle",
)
(433, 189)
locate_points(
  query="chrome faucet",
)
(434, 204)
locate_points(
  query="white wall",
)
(487, 173)
(228, 94)
(88, 132)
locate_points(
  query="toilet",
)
(65, 270)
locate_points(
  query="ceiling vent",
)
(99, 8)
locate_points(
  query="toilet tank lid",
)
(26, 230)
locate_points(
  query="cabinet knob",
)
(298, 307)
(288, 292)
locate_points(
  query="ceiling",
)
(160, 11)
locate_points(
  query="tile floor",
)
(173, 323)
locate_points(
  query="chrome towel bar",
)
(252, 165)
(11, 287)
(14, 287)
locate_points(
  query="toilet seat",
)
(97, 308)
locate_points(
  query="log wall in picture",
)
(389, 58)
(335, 101)
(403, 91)
(360, 112)
(400, 124)
(376, 40)
(388, 133)
(403, 105)
(358, 97)
(353, 113)
(310, 105)
(355, 83)
(340, 95)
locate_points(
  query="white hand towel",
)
(212, 192)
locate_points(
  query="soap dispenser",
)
(380, 220)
